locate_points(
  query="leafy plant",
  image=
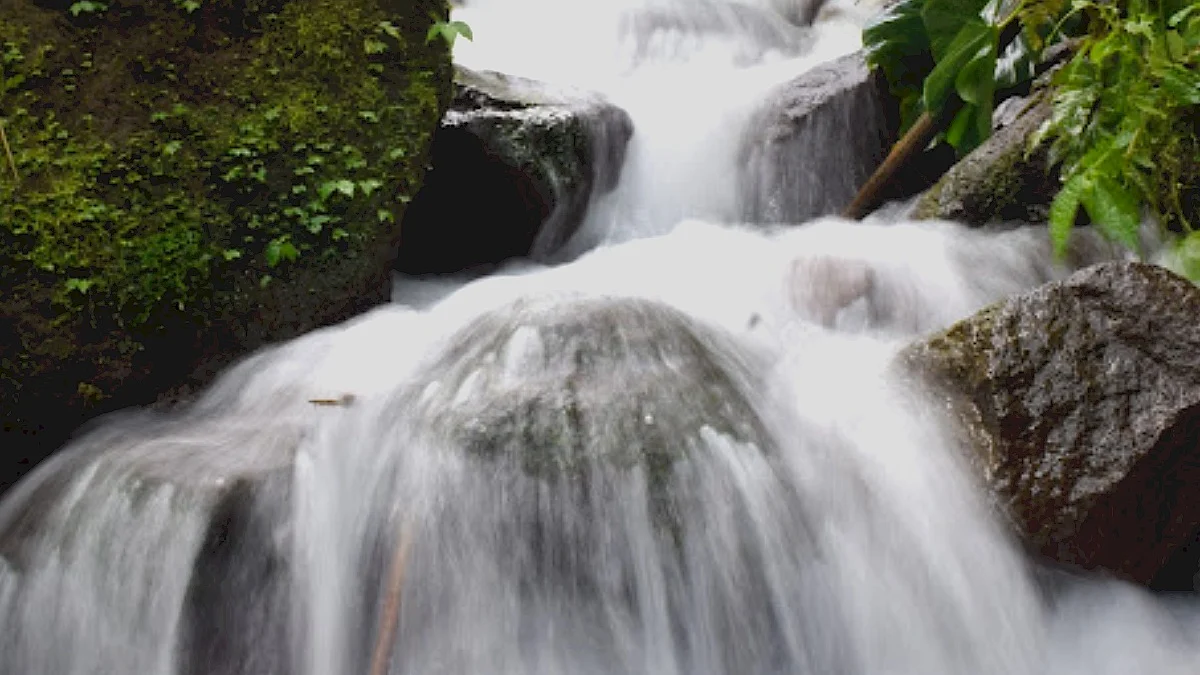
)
(940, 58)
(1123, 129)
(87, 7)
(448, 31)
(1123, 107)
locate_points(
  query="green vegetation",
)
(184, 165)
(449, 31)
(1124, 131)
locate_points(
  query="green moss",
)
(183, 164)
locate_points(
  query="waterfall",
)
(681, 453)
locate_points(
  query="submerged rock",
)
(195, 184)
(815, 141)
(558, 385)
(1082, 400)
(515, 165)
(173, 534)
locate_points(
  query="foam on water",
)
(823, 524)
(681, 453)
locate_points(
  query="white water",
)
(681, 454)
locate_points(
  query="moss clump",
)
(202, 176)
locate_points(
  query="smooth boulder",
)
(815, 140)
(1082, 400)
(515, 164)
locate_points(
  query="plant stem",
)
(8, 153)
(918, 136)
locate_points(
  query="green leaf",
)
(385, 216)
(87, 7)
(79, 285)
(1187, 250)
(279, 250)
(448, 31)
(976, 82)
(1062, 212)
(945, 19)
(370, 185)
(231, 254)
(462, 29)
(960, 126)
(344, 186)
(339, 234)
(1182, 83)
(1114, 211)
(976, 40)
(896, 44)
(896, 33)
(171, 147)
(390, 29)
(318, 221)
(1178, 17)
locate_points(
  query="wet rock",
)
(1082, 399)
(815, 141)
(1005, 179)
(561, 383)
(515, 165)
(206, 504)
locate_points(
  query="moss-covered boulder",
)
(1082, 399)
(1008, 178)
(194, 179)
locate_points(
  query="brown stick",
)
(918, 136)
(8, 153)
(385, 639)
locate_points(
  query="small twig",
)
(386, 637)
(345, 401)
(8, 153)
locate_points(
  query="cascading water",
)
(680, 454)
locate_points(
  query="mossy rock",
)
(1081, 400)
(1008, 178)
(195, 179)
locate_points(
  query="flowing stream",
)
(682, 452)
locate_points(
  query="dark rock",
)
(1082, 399)
(1005, 179)
(515, 165)
(171, 164)
(815, 141)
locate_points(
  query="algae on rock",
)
(195, 184)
